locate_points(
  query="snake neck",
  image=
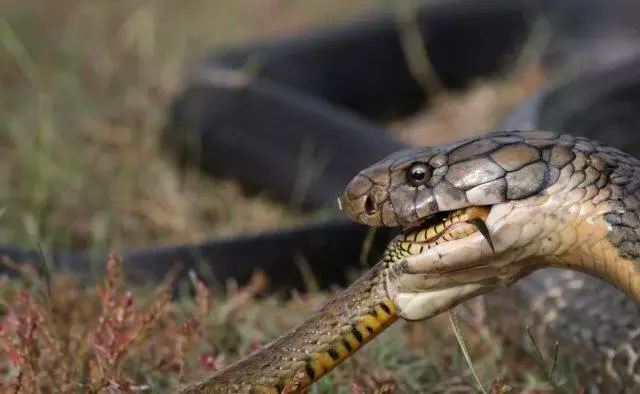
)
(294, 361)
(572, 232)
(596, 225)
(601, 255)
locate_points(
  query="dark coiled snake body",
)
(322, 94)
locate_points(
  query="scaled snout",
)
(365, 202)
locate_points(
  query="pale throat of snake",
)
(418, 296)
(446, 226)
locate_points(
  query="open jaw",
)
(420, 297)
(445, 226)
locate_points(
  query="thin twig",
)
(415, 50)
(366, 246)
(453, 318)
(549, 374)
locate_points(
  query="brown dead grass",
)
(56, 337)
(455, 116)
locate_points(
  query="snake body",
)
(294, 361)
(553, 200)
(556, 200)
(254, 127)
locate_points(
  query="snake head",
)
(397, 191)
(478, 214)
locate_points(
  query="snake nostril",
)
(369, 205)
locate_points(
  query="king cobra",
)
(477, 215)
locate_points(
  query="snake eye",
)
(418, 174)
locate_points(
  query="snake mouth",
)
(423, 296)
(448, 226)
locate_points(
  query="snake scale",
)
(252, 127)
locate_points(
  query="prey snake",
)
(302, 95)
